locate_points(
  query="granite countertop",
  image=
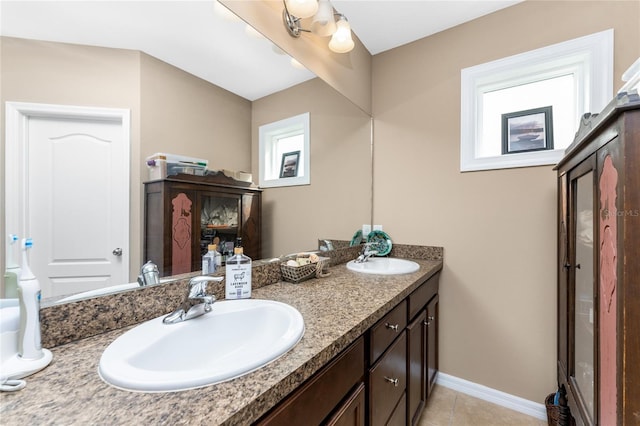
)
(336, 310)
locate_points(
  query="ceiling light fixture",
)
(323, 23)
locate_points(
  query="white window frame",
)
(268, 135)
(588, 58)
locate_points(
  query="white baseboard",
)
(485, 393)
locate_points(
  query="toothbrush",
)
(29, 344)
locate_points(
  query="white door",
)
(77, 199)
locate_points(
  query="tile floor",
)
(447, 407)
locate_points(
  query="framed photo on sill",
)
(289, 165)
(529, 130)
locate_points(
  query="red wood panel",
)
(608, 288)
(181, 235)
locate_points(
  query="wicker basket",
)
(557, 415)
(297, 274)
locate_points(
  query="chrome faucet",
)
(366, 253)
(148, 274)
(196, 302)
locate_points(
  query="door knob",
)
(117, 251)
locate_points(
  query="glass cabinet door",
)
(583, 294)
(220, 221)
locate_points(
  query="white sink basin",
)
(384, 266)
(235, 338)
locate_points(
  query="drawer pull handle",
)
(392, 327)
(390, 380)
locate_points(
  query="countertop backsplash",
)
(77, 320)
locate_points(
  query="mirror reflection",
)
(173, 111)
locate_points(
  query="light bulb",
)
(302, 8)
(323, 23)
(341, 41)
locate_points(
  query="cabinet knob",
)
(393, 327)
(566, 265)
(390, 380)
(428, 321)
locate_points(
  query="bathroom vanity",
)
(368, 356)
(393, 365)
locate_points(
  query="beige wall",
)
(338, 200)
(183, 114)
(498, 313)
(171, 111)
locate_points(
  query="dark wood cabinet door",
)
(399, 415)
(352, 411)
(416, 366)
(315, 400)
(387, 382)
(432, 342)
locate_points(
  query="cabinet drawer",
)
(386, 330)
(388, 381)
(317, 398)
(421, 296)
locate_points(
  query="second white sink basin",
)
(235, 338)
(384, 266)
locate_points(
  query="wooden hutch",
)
(599, 267)
(185, 213)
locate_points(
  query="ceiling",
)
(194, 36)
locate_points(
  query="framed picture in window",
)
(289, 165)
(525, 131)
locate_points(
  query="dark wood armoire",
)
(599, 267)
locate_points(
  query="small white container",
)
(161, 165)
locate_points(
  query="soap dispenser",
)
(238, 274)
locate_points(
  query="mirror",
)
(164, 119)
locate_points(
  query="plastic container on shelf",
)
(162, 165)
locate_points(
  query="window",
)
(284, 151)
(572, 77)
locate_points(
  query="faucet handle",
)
(198, 286)
(367, 248)
(148, 274)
